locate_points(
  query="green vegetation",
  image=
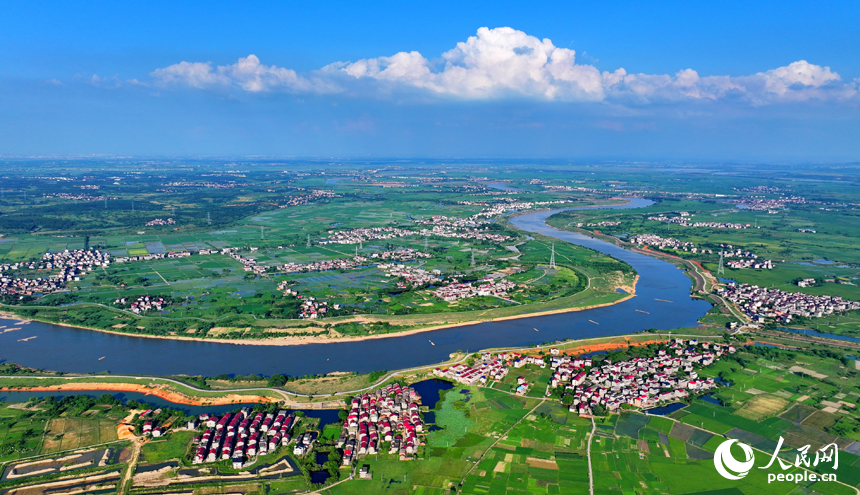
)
(173, 446)
(52, 425)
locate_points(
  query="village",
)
(389, 414)
(684, 221)
(658, 242)
(763, 304)
(485, 287)
(160, 222)
(76, 196)
(142, 304)
(639, 382)
(71, 265)
(303, 199)
(402, 254)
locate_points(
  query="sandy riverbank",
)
(157, 390)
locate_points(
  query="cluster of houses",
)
(807, 282)
(477, 234)
(761, 303)
(456, 290)
(304, 199)
(244, 436)
(771, 205)
(311, 308)
(658, 242)
(570, 188)
(389, 414)
(356, 236)
(152, 257)
(452, 222)
(410, 275)
(489, 368)
(685, 222)
(319, 266)
(150, 428)
(404, 254)
(639, 382)
(76, 196)
(70, 266)
(248, 264)
(142, 257)
(751, 263)
(143, 303)
(160, 221)
(207, 184)
(508, 205)
(604, 223)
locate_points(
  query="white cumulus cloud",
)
(247, 73)
(503, 63)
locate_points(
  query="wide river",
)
(60, 348)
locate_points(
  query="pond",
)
(319, 476)
(430, 391)
(816, 333)
(665, 410)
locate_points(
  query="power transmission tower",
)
(309, 240)
(473, 258)
(552, 258)
(360, 244)
(105, 201)
(356, 250)
(262, 233)
(425, 243)
(721, 270)
(208, 218)
(132, 205)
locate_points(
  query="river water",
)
(66, 349)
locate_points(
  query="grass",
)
(162, 449)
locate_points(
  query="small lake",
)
(816, 333)
(665, 410)
(431, 392)
(501, 186)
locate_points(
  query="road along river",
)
(60, 348)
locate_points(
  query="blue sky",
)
(677, 80)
